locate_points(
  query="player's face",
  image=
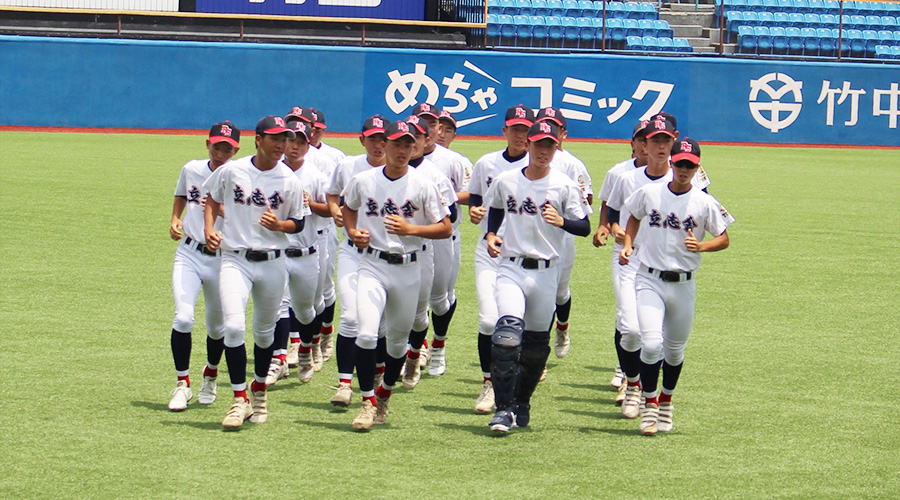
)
(659, 147)
(374, 145)
(447, 135)
(296, 149)
(270, 147)
(315, 137)
(516, 138)
(220, 153)
(434, 127)
(399, 152)
(683, 173)
(639, 145)
(541, 152)
(421, 143)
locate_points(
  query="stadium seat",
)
(663, 28)
(634, 43)
(856, 43)
(833, 7)
(648, 11)
(572, 8)
(494, 7)
(771, 6)
(587, 33)
(883, 51)
(798, 21)
(631, 27)
(507, 30)
(763, 40)
(540, 31)
(556, 33)
(541, 8)
(683, 45)
(589, 8)
(733, 20)
(801, 7)
(633, 10)
(750, 18)
(615, 30)
(871, 40)
(616, 9)
(810, 41)
(866, 8)
(828, 20)
(651, 43)
(795, 40)
(779, 40)
(508, 7)
(889, 22)
(812, 20)
(859, 23)
(874, 23)
(895, 52)
(570, 31)
(766, 19)
(493, 29)
(746, 40)
(842, 41)
(782, 19)
(666, 44)
(524, 8)
(648, 27)
(827, 42)
(892, 8)
(524, 30)
(885, 37)
(818, 7)
(756, 5)
(556, 8)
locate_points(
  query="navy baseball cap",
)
(299, 113)
(427, 109)
(398, 129)
(273, 125)
(318, 118)
(419, 124)
(640, 129)
(686, 149)
(299, 128)
(544, 130)
(668, 117)
(659, 125)
(447, 116)
(225, 132)
(519, 115)
(374, 125)
(553, 115)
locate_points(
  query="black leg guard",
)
(562, 311)
(650, 376)
(416, 339)
(307, 332)
(214, 350)
(535, 350)
(345, 352)
(441, 323)
(262, 357)
(282, 333)
(484, 352)
(392, 367)
(236, 359)
(381, 351)
(670, 375)
(365, 368)
(631, 363)
(505, 351)
(181, 349)
(328, 313)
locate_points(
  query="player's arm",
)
(436, 231)
(334, 206)
(578, 227)
(720, 242)
(602, 232)
(463, 197)
(177, 210)
(359, 237)
(631, 231)
(495, 220)
(477, 210)
(271, 222)
(320, 209)
(210, 214)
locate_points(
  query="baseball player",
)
(197, 266)
(540, 205)
(673, 219)
(372, 139)
(303, 295)
(387, 213)
(263, 200)
(638, 159)
(318, 132)
(448, 129)
(569, 164)
(660, 135)
(517, 121)
(414, 359)
(447, 253)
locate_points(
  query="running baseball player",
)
(372, 139)
(318, 133)
(262, 200)
(673, 219)
(517, 121)
(569, 164)
(540, 205)
(638, 159)
(387, 212)
(197, 266)
(448, 129)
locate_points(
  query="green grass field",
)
(789, 388)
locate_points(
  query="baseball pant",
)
(426, 269)
(191, 271)
(567, 263)
(527, 293)
(347, 270)
(239, 280)
(331, 244)
(446, 270)
(626, 301)
(302, 290)
(389, 291)
(485, 288)
(665, 312)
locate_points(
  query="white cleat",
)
(317, 357)
(438, 364)
(424, 357)
(293, 354)
(327, 343)
(631, 407)
(277, 371)
(485, 402)
(240, 411)
(208, 390)
(620, 394)
(181, 394)
(618, 379)
(413, 372)
(366, 417)
(306, 369)
(562, 342)
(649, 419)
(258, 401)
(666, 411)
(343, 396)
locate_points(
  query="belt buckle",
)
(670, 276)
(393, 258)
(255, 256)
(205, 251)
(529, 263)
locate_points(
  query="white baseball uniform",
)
(332, 152)
(576, 170)
(328, 238)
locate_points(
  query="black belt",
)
(200, 246)
(259, 255)
(299, 252)
(390, 258)
(350, 243)
(530, 263)
(670, 276)
(320, 231)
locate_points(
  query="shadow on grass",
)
(620, 432)
(574, 399)
(477, 430)
(600, 369)
(591, 387)
(335, 426)
(603, 415)
(323, 406)
(155, 406)
(205, 426)
(460, 395)
(449, 409)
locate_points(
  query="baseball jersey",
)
(527, 234)
(332, 152)
(665, 220)
(486, 169)
(455, 167)
(190, 186)
(613, 175)
(246, 192)
(374, 196)
(629, 182)
(325, 163)
(313, 183)
(434, 174)
(576, 170)
(348, 168)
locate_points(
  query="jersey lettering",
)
(257, 198)
(194, 195)
(544, 205)
(371, 207)
(389, 208)
(489, 181)
(409, 209)
(672, 221)
(238, 195)
(655, 218)
(275, 200)
(689, 223)
(528, 207)
(511, 205)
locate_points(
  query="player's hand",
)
(213, 240)
(397, 225)
(550, 215)
(337, 214)
(269, 220)
(691, 242)
(620, 235)
(493, 244)
(600, 236)
(203, 201)
(476, 214)
(625, 254)
(175, 230)
(360, 237)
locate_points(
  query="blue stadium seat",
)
(556, 8)
(666, 44)
(828, 20)
(755, 5)
(891, 8)
(556, 33)
(751, 18)
(850, 8)
(746, 40)
(779, 40)
(889, 22)
(494, 7)
(634, 43)
(615, 29)
(867, 8)
(509, 7)
(885, 37)
(683, 45)
(631, 27)
(895, 52)
(541, 8)
(525, 29)
(572, 8)
(859, 23)
(763, 40)
(818, 7)
(874, 22)
(897, 37)
(589, 8)
(493, 29)
(651, 43)
(648, 27)
(733, 19)
(524, 8)
(883, 51)
(587, 33)
(616, 9)
(648, 11)
(795, 40)
(663, 28)
(871, 40)
(802, 7)
(771, 5)
(833, 7)
(847, 23)
(782, 19)
(842, 41)
(812, 20)
(633, 10)
(766, 19)
(857, 43)
(540, 31)
(827, 42)
(736, 4)
(798, 21)
(810, 41)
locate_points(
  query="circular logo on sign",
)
(778, 112)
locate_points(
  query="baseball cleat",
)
(208, 390)
(317, 357)
(665, 423)
(438, 365)
(485, 402)
(240, 411)
(523, 414)
(343, 396)
(258, 401)
(366, 416)
(306, 369)
(413, 372)
(649, 419)
(293, 354)
(424, 357)
(502, 422)
(277, 371)
(562, 342)
(327, 344)
(381, 411)
(379, 376)
(620, 394)
(618, 379)
(181, 394)
(631, 407)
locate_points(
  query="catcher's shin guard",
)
(535, 350)
(506, 347)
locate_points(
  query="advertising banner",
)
(379, 9)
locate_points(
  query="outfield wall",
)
(61, 82)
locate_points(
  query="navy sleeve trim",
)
(495, 219)
(454, 213)
(475, 200)
(299, 223)
(612, 215)
(581, 227)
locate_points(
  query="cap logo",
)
(377, 122)
(226, 131)
(403, 127)
(297, 111)
(279, 121)
(314, 115)
(545, 127)
(414, 119)
(686, 147)
(520, 113)
(550, 112)
(444, 113)
(426, 107)
(660, 123)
